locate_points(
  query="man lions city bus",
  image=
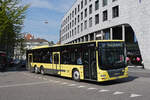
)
(101, 60)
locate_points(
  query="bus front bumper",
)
(107, 76)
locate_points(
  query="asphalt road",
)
(22, 85)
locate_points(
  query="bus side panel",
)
(48, 67)
(66, 70)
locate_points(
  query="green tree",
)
(51, 43)
(12, 16)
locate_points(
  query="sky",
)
(41, 11)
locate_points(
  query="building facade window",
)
(97, 19)
(85, 2)
(85, 13)
(75, 11)
(68, 18)
(68, 34)
(96, 4)
(114, 0)
(72, 14)
(78, 8)
(72, 32)
(81, 27)
(105, 2)
(105, 15)
(81, 4)
(75, 21)
(68, 27)
(115, 11)
(90, 9)
(72, 23)
(81, 16)
(90, 22)
(78, 18)
(78, 29)
(75, 31)
(107, 36)
(85, 24)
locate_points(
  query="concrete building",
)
(35, 42)
(128, 20)
(29, 43)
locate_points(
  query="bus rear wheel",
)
(76, 75)
(36, 70)
(42, 71)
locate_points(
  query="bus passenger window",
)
(50, 59)
(79, 61)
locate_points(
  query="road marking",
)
(25, 84)
(44, 78)
(40, 77)
(91, 88)
(103, 90)
(64, 83)
(81, 86)
(134, 95)
(117, 92)
(72, 85)
(51, 80)
(56, 81)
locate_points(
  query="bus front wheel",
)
(76, 75)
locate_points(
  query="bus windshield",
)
(111, 55)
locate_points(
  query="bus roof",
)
(46, 46)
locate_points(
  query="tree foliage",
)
(12, 16)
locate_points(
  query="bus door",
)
(56, 63)
(93, 65)
(30, 59)
(90, 69)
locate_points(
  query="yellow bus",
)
(100, 60)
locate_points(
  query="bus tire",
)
(76, 75)
(42, 71)
(36, 70)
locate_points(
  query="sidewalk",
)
(136, 67)
(138, 71)
(16, 68)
